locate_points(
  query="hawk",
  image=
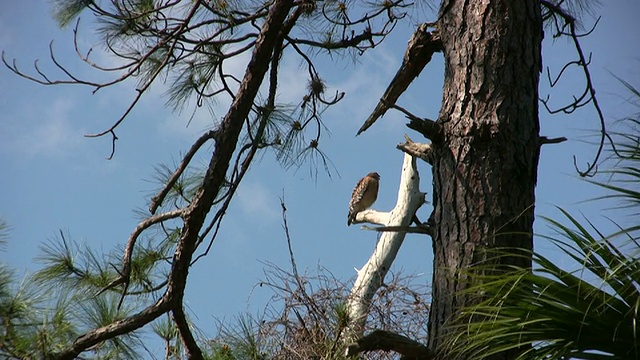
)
(364, 195)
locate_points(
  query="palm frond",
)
(551, 312)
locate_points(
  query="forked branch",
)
(371, 276)
(589, 94)
(418, 150)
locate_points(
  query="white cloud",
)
(293, 80)
(365, 85)
(43, 131)
(257, 201)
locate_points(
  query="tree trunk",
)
(485, 165)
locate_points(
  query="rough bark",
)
(485, 164)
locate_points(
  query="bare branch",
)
(389, 341)
(114, 137)
(422, 229)
(422, 45)
(286, 232)
(589, 94)
(422, 151)
(353, 41)
(44, 80)
(545, 140)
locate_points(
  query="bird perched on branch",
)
(421, 47)
(364, 195)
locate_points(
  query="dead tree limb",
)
(421, 47)
(422, 151)
(372, 274)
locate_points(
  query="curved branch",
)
(570, 22)
(125, 272)
(546, 140)
(85, 58)
(120, 327)
(193, 350)
(389, 341)
(157, 200)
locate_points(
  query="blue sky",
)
(54, 178)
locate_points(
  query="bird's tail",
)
(350, 218)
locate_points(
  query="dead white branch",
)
(422, 151)
(372, 274)
(372, 216)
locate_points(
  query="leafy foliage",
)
(45, 311)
